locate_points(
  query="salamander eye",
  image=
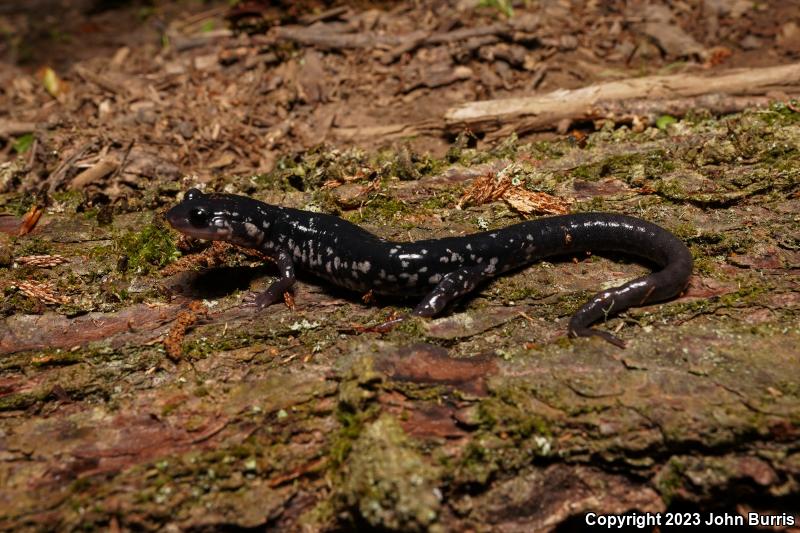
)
(198, 217)
(192, 194)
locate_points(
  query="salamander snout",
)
(191, 217)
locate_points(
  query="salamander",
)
(439, 270)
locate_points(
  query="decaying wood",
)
(650, 110)
(543, 112)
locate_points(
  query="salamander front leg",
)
(274, 292)
(453, 285)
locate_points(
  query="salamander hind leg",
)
(274, 292)
(452, 286)
(611, 302)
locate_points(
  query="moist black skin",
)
(439, 270)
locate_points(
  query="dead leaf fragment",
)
(52, 83)
(491, 187)
(30, 220)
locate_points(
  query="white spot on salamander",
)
(251, 229)
(436, 278)
(412, 279)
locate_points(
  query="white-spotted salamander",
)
(440, 269)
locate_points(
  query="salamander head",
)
(221, 217)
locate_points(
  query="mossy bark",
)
(488, 419)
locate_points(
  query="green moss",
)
(380, 209)
(390, 485)
(742, 298)
(351, 424)
(444, 199)
(15, 302)
(545, 149)
(406, 165)
(355, 407)
(519, 292)
(502, 6)
(58, 358)
(22, 143)
(704, 265)
(33, 246)
(68, 200)
(18, 401)
(310, 170)
(670, 479)
(636, 168)
(476, 465)
(504, 414)
(150, 248)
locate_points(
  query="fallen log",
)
(542, 112)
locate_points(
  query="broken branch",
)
(543, 112)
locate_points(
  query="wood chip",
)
(42, 291)
(41, 261)
(182, 323)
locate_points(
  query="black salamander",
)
(441, 270)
